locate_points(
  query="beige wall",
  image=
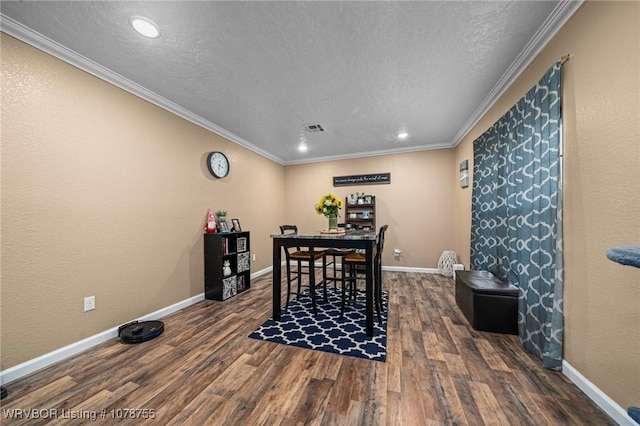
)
(601, 89)
(417, 204)
(106, 195)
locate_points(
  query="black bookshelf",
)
(219, 248)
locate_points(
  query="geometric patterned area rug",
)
(326, 331)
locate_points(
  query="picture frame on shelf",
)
(352, 198)
(235, 225)
(223, 225)
(367, 199)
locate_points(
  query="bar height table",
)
(365, 240)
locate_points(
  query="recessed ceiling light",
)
(403, 135)
(145, 27)
(302, 147)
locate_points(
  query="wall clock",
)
(218, 164)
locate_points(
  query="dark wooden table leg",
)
(276, 285)
(369, 288)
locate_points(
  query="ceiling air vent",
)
(313, 128)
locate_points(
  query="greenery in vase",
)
(328, 204)
(221, 213)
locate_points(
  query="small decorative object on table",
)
(338, 231)
(329, 206)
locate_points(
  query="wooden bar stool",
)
(353, 265)
(304, 262)
(332, 265)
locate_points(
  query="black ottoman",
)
(488, 303)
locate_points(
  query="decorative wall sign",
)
(373, 179)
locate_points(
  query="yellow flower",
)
(328, 204)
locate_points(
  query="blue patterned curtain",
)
(516, 212)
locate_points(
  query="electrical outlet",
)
(89, 303)
(253, 257)
(397, 252)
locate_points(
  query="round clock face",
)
(218, 164)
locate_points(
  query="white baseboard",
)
(617, 413)
(50, 358)
(33, 365)
(261, 272)
(410, 269)
(392, 268)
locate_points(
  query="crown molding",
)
(563, 11)
(41, 42)
(560, 15)
(368, 154)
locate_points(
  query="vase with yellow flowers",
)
(329, 205)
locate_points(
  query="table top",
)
(348, 235)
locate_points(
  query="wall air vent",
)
(313, 128)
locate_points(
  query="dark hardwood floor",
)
(205, 370)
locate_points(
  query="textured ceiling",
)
(257, 72)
